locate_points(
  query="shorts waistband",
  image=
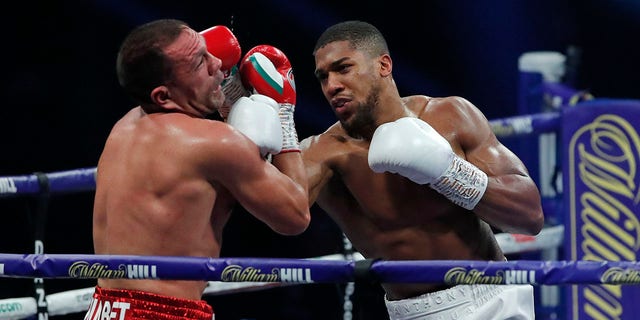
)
(458, 300)
(133, 304)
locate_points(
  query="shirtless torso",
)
(166, 184)
(163, 199)
(389, 217)
(168, 176)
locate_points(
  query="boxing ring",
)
(585, 162)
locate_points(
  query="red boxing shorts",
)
(133, 305)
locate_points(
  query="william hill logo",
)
(82, 269)
(604, 193)
(236, 273)
(621, 276)
(460, 275)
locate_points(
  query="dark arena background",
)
(62, 97)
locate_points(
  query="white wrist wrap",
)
(233, 90)
(290, 141)
(462, 183)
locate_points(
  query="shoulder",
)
(449, 104)
(453, 109)
(130, 118)
(329, 145)
(216, 147)
(422, 104)
(202, 135)
(458, 120)
(334, 134)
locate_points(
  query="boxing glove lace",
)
(412, 148)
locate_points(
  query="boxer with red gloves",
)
(223, 44)
(253, 116)
(169, 177)
(266, 70)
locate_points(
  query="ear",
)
(386, 65)
(160, 96)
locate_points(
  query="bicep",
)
(252, 181)
(318, 173)
(267, 193)
(483, 149)
(496, 160)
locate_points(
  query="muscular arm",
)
(276, 197)
(290, 164)
(511, 201)
(318, 173)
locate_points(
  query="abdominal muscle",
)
(389, 217)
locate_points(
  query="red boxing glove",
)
(223, 44)
(266, 70)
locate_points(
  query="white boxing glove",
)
(257, 118)
(267, 70)
(411, 148)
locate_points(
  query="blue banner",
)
(601, 139)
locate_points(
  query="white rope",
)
(548, 238)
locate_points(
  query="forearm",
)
(290, 164)
(512, 204)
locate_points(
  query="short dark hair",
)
(141, 64)
(361, 35)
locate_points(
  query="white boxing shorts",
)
(467, 302)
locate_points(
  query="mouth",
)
(340, 104)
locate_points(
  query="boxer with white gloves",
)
(223, 44)
(455, 181)
(257, 118)
(266, 70)
(411, 148)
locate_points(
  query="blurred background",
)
(62, 97)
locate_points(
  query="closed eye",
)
(343, 68)
(321, 76)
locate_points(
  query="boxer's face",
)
(349, 81)
(196, 75)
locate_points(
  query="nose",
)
(332, 85)
(214, 64)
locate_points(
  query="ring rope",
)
(318, 270)
(74, 301)
(84, 179)
(78, 300)
(450, 272)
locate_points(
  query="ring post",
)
(538, 69)
(40, 222)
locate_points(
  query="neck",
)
(393, 111)
(388, 112)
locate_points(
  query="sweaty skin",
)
(167, 181)
(387, 216)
